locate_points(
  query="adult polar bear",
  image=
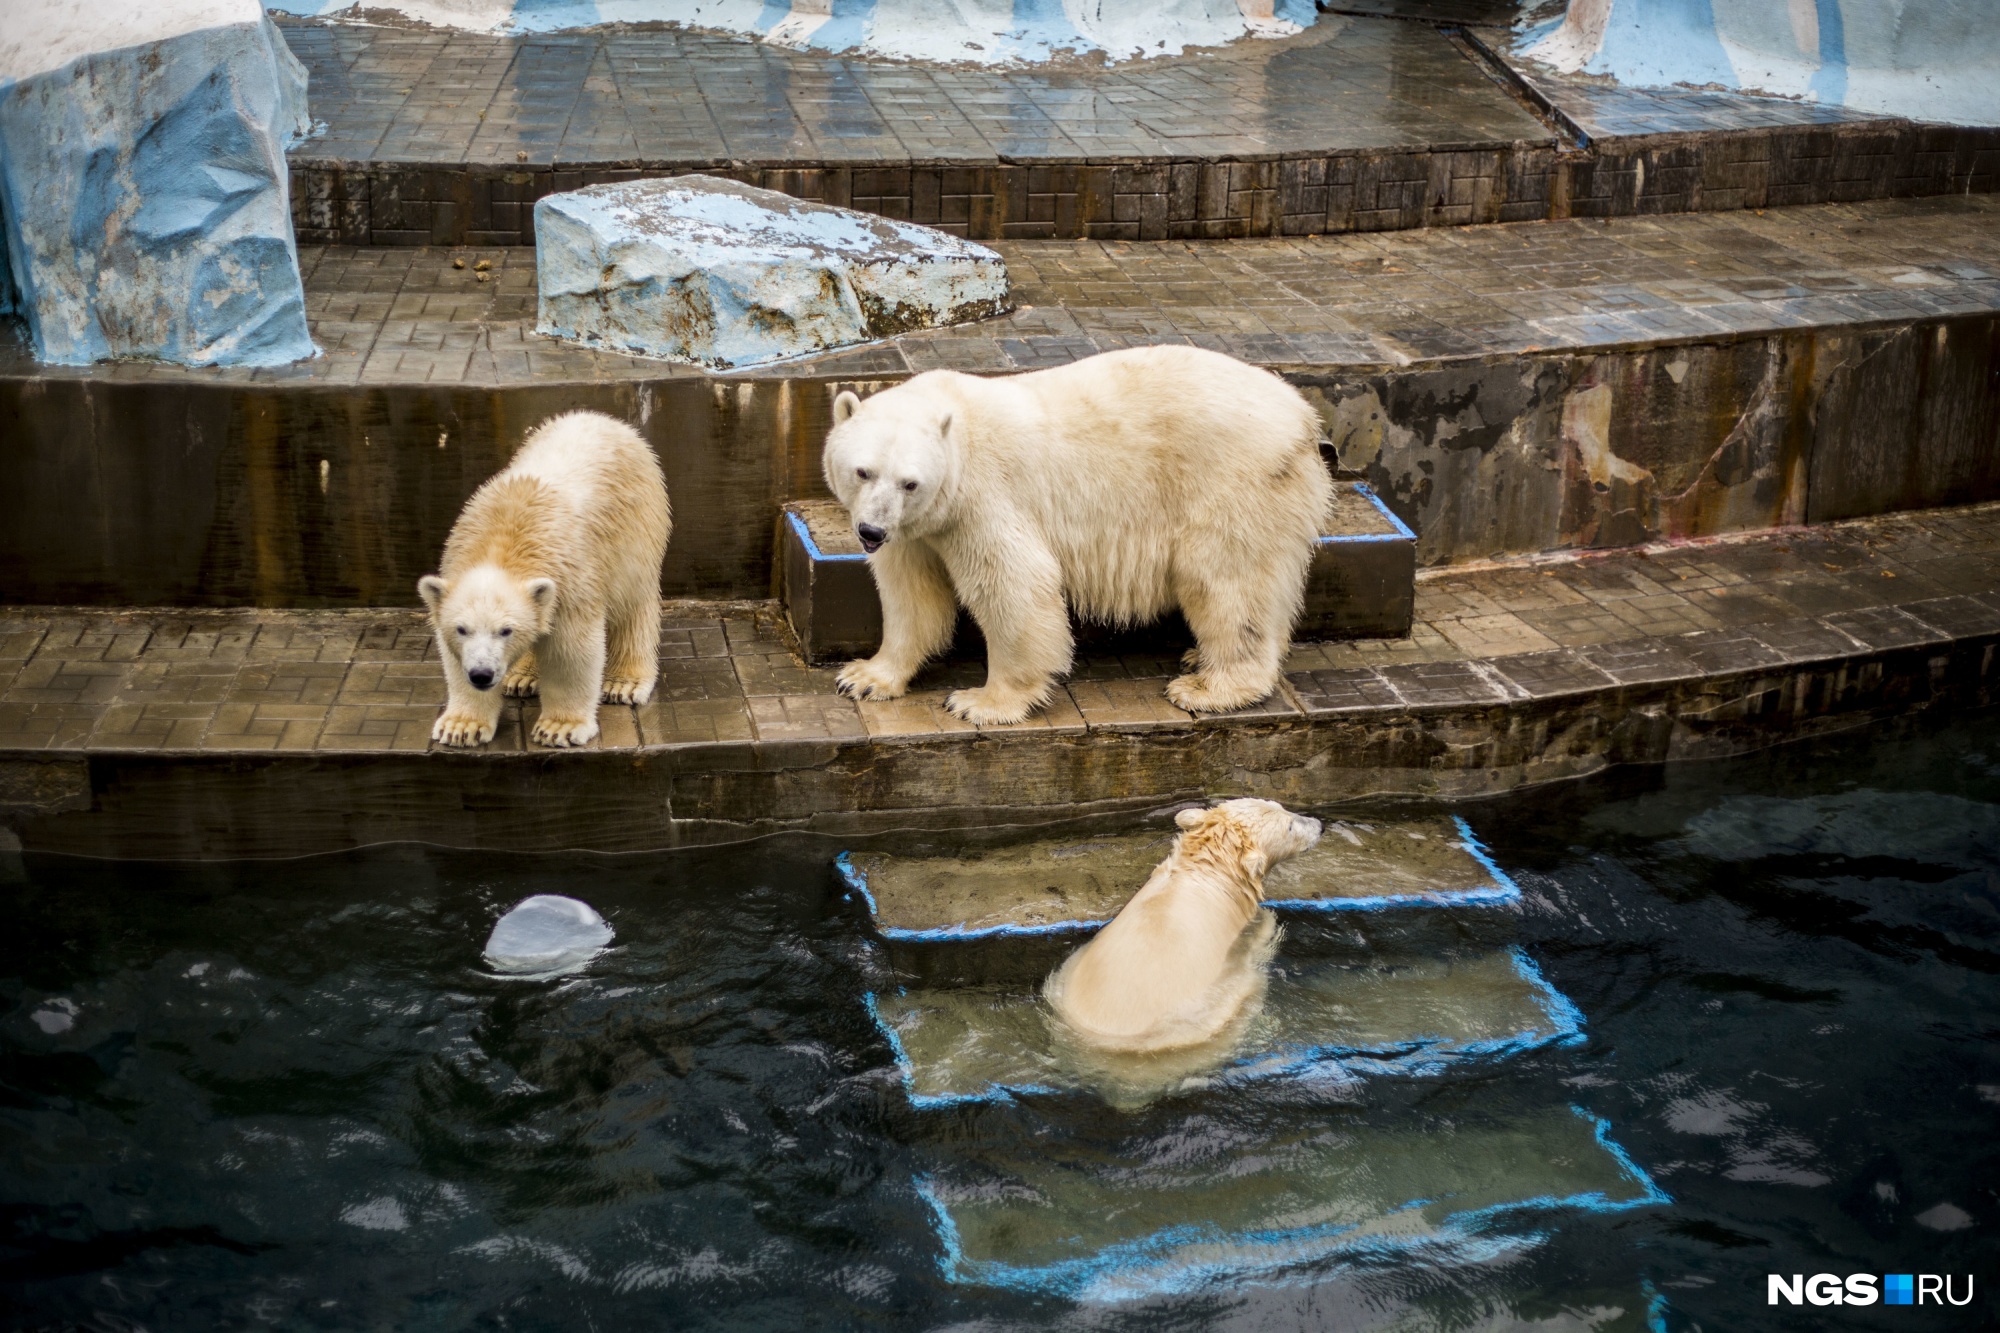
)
(1125, 484)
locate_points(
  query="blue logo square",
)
(1898, 1288)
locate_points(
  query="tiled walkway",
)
(263, 681)
(390, 95)
(408, 315)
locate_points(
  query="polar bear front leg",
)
(1018, 602)
(572, 658)
(918, 614)
(470, 716)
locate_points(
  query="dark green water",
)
(288, 1095)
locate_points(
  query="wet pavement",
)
(1506, 637)
(391, 314)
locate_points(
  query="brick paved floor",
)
(244, 681)
(405, 314)
(432, 96)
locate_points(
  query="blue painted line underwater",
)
(1419, 1056)
(1501, 892)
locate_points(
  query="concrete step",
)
(1362, 584)
(1076, 1217)
(1010, 914)
(1359, 124)
(1390, 1015)
(1504, 390)
(241, 733)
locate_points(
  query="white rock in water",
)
(546, 934)
(144, 196)
(723, 274)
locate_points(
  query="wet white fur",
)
(1188, 954)
(551, 580)
(1125, 484)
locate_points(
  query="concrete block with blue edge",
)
(144, 193)
(1388, 1016)
(1061, 1216)
(721, 274)
(1362, 582)
(1010, 913)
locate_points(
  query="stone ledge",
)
(280, 733)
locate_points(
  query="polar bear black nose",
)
(481, 678)
(871, 536)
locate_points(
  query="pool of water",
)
(290, 1095)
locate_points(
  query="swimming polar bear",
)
(1188, 955)
(1124, 485)
(551, 583)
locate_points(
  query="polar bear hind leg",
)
(1242, 628)
(522, 680)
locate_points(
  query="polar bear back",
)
(1134, 465)
(583, 501)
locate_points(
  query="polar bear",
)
(1125, 484)
(1182, 961)
(551, 583)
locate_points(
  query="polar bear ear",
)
(542, 594)
(1193, 817)
(432, 589)
(944, 426)
(844, 406)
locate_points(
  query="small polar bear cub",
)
(1121, 486)
(1177, 965)
(551, 583)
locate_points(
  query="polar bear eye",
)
(506, 630)
(864, 474)
(463, 631)
(909, 485)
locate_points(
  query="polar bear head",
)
(892, 462)
(487, 618)
(1256, 834)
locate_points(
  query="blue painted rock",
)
(143, 186)
(722, 275)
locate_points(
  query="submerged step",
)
(1407, 1016)
(1362, 583)
(1067, 887)
(1010, 914)
(1062, 1216)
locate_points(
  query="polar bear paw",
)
(557, 731)
(461, 729)
(625, 690)
(521, 682)
(988, 707)
(1196, 693)
(863, 679)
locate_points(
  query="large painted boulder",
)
(1936, 60)
(721, 274)
(977, 31)
(143, 188)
